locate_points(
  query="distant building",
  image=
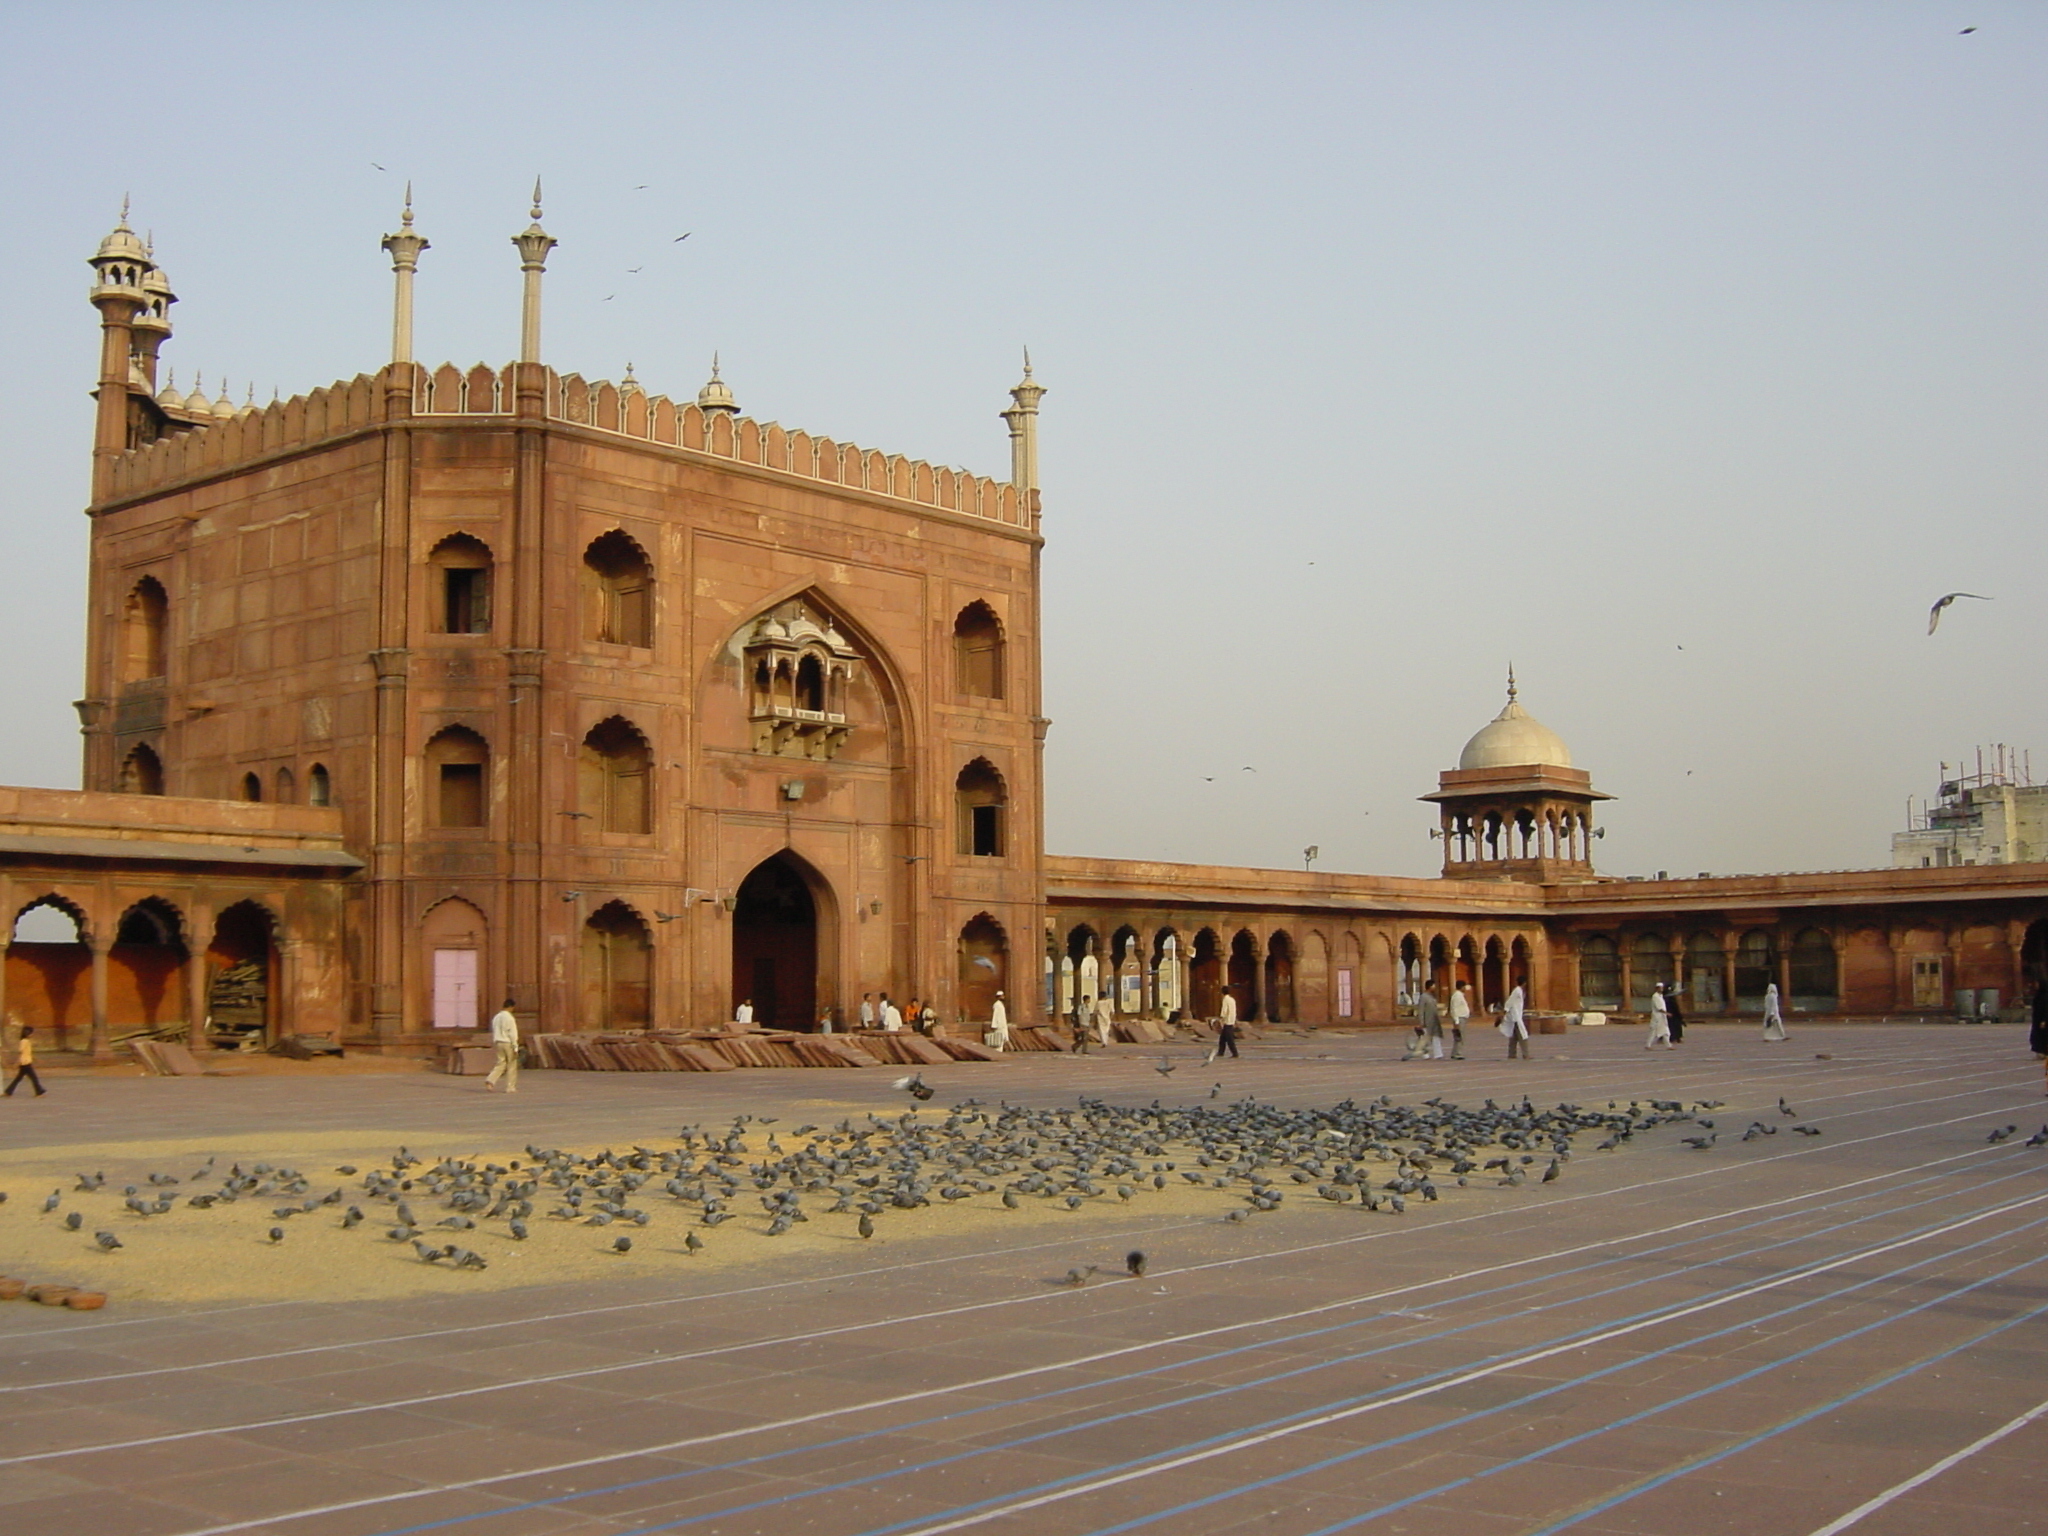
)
(1994, 815)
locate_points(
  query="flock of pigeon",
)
(1376, 1156)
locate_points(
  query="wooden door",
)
(1927, 988)
(455, 989)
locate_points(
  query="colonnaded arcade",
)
(437, 685)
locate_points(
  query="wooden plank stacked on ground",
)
(166, 1058)
(710, 1051)
(1035, 1037)
(967, 1050)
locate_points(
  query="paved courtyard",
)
(1796, 1334)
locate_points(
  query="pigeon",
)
(74, 1221)
(107, 1241)
(1787, 1110)
(693, 1244)
(1807, 1130)
(915, 1086)
(622, 1245)
(1701, 1143)
(866, 1225)
(1167, 1067)
(2001, 1133)
(2038, 1139)
(1934, 613)
(56, 1199)
(277, 1234)
(1134, 1264)
(1079, 1276)
(1553, 1172)
(428, 1253)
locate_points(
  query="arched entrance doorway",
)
(618, 969)
(145, 966)
(453, 934)
(49, 971)
(238, 974)
(984, 966)
(775, 946)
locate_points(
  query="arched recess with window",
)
(456, 793)
(981, 800)
(615, 773)
(319, 786)
(252, 786)
(618, 591)
(142, 771)
(1280, 1007)
(978, 653)
(287, 787)
(1242, 974)
(618, 969)
(1205, 975)
(984, 954)
(459, 586)
(1811, 970)
(1599, 972)
(145, 632)
(145, 965)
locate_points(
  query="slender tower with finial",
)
(120, 267)
(1022, 417)
(534, 244)
(404, 248)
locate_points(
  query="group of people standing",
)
(1667, 1018)
(1431, 1017)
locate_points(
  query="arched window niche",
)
(618, 589)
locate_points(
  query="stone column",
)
(197, 982)
(1841, 944)
(100, 1047)
(285, 1016)
(1784, 973)
(1729, 940)
(1624, 956)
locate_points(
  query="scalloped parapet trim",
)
(357, 403)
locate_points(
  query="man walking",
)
(1660, 1019)
(1674, 1016)
(25, 1063)
(505, 1042)
(1514, 1026)
(1226, 1028)
(1429, 1026)
(1461, 1010)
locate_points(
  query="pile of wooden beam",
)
(1036, 1037)
(723, 1050)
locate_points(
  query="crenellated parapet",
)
(359, 404)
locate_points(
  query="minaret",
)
(534, 244)
(715, 398)
(120, 267)
(153, 323)
(1023, 420)
(405, 248)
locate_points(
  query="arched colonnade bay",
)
(1319, 949)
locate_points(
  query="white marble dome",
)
(1515, 739)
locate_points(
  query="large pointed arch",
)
(784, 955)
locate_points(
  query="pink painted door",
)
(455, 989)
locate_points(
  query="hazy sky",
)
(1681, 354)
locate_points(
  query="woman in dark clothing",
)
(1673, 1017)
(2037, 1035)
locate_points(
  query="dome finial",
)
(716, 396)
(405, 217)
(1027, 362)
(124, 209)
(536, 199)
(1511, 682)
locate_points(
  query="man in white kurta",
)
(1660, 1019)
(1774, 1016)
(1461, 1010)
(892, 1016)
(998, 1037)
(1105, 1020)
(1514, 1026)
(744, 1014)
(505, 1043)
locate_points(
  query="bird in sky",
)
(679, 239)
(641, 268)
(1934, 613)
(376, 167)
(1966, 32)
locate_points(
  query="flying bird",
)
(1934, 613)
(915, 1086)
(376, 167)
(1966, 32)
(679, 239)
